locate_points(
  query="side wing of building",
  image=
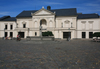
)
(7, 26)
(87, 24)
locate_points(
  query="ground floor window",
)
(6, 34)
(66, 34)
(11, 34)
(83, 34)
(90, 34)
(35, 33)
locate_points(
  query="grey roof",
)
(7, 18)
(58, 12)
(65, 12)
(25, 14)
(4, 17)
(87, 16)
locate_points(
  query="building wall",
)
(57, 25)
(87, 25)
(8, 30)
(65, 24)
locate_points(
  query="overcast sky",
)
(14, 7)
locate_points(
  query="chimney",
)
(48, 8)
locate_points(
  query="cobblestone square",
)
(74, 54)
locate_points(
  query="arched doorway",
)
(43, 23)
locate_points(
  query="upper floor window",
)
(51, 23)
(5, 26)
(90, 24)
(11, 27)
(24, 25)
(83, 25)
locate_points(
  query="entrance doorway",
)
(66, 34)
(21, 34)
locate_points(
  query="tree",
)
(96, 34)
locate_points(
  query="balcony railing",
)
(48, 28)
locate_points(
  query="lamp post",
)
(4, 33)
(40, 30)
(69, 34)
(28, 31)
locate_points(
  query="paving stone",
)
(74, 54)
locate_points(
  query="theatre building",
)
(61, 22)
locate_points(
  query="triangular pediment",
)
(43, 12)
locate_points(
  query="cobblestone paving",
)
(74, 54)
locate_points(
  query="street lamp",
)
(40, 30)
(28, 31)
(69, 34)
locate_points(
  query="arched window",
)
(35, 24)
(50, 24)
(43, 23)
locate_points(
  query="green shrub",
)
(48, 33)
(96, 34)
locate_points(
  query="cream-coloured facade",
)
(59, 22)
(87, 25)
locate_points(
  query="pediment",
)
(43, 12)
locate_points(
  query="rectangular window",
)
(90, 34)
(5, 26)
(90, 26)
(83, 26)
(11, 27)
(6, 34)
(11, 34)
(83, 35)
(35, 33)
(24, 25)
